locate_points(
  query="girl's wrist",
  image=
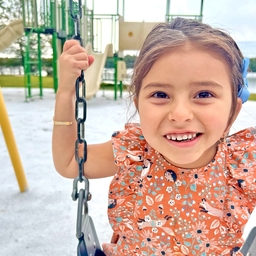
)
(65, 94)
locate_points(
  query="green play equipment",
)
(41, 18)
(51, 17)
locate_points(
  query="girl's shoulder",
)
(129, 144)
(244, 138)
(241, 146)
(131, 132)
(241, 160)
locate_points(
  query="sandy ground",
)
(42, 220)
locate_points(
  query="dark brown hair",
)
(165, 37)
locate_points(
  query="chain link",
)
(80, 115)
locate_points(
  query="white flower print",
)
(219, 160)
(171, 202)
(169, 189)
(147, 218)
(248, 135)
(178, 183)
(159, 223)
(154, 230)
(178, 196)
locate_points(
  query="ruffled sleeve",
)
(129, 149)
(128, 145)
(241, 162)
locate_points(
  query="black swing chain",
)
(80, 106)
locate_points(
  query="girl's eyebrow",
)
(199, 83)
(207, 83)
(157, 85)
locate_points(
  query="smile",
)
(182, 137)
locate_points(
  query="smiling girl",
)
(177, 179)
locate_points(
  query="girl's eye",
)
(160, 95)
(204, 95)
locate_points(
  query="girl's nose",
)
(180, 112)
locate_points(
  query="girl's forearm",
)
(64, 135)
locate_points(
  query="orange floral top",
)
(156, 208)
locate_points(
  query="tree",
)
(253, 64)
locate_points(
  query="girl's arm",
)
(100, 159)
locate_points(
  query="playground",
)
(38, 215)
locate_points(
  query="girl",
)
(181, 185)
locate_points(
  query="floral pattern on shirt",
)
(156, 208)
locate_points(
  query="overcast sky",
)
(236, 16)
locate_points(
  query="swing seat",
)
(249, 247)
(88, 244)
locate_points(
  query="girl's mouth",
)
(182, 137)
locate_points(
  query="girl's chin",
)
(188, 164)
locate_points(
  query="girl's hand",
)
(73, 59)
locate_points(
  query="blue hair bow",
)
(243, 92)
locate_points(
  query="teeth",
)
(184, 137)
(181, 137)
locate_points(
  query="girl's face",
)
(184, 105)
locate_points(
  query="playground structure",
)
(52, 17)
(10, 33)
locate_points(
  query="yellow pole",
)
(11, 145)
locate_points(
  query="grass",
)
(252, 97)
(18, 81)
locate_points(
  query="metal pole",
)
(55, 61)
(123, 8)
(168, 4)
(11, 145)
(201, 9)
(39, 56)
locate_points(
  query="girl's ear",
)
(237, 111)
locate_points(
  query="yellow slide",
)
(10, 33)
(92, 75)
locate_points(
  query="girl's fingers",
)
(72, 47)
(90, 59)
(70, 43)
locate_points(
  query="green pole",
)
(54, 61)
(27, 77)
(52, 15)
(39, 64)
(121, 88)
(167, 10)
(115, 76)
(201, 9)
(63, 15)
(23, 14)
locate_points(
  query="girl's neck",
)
(204, 160)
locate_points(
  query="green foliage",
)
(17, 62)
(109, 63)
(253, 64)
(129, 60)
(10, 62)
